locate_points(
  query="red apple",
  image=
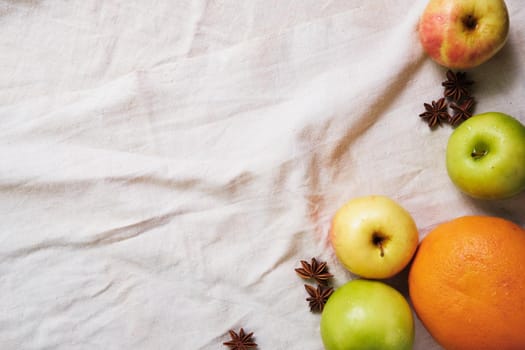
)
(462, 34)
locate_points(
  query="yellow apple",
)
(373, 236)
(462, 34)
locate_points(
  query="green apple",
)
(364, 314)
(463, 34)
(373, 236)
(486, 156)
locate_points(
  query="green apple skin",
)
(367, 315)
(498, 170)
(463, 34)
(355, 230)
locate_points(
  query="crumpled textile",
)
(167, 164)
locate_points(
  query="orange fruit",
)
(467, 284)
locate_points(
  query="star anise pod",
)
(462, 112)
(318, 297)
(316, 270)
(456, 86)
(435, 113)
(240, 341)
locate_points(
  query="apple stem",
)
(478, 154)
(377, 240)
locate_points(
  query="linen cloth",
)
(165, 165)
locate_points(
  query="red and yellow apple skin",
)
(462, 34)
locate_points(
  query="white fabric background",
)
(166, 164)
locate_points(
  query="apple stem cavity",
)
(470, 22)
(378, 240)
